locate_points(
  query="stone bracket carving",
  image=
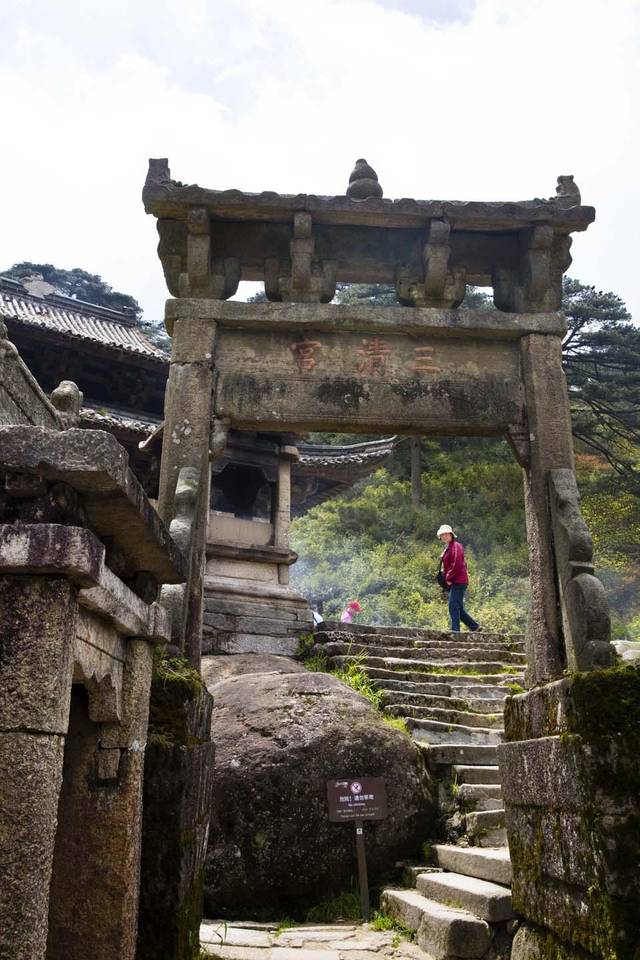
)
(583, 602)
(520, 442)
(203, 275)
(172, 596)
(304, 279)
(537, 284)
(441, 285)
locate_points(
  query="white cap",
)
(445, 528)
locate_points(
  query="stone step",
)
(435, 732)
(465, 717)
(477, 659)
(419, 633)
(485, 863)
(454, 640)
(480, 796)
(476, 774)
(483, 690)
(440, 930)
(417, 672)
(467, 792)
(450, 671)
(489, 901)
(471, 652)
(450, 754)
(398, 691)
(486, 828)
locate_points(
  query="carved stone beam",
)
(537, 286)
(583, 602)
(443, 286)
(305, 280)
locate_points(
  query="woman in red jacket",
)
(456, 578)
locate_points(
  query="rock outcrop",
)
(279, 737)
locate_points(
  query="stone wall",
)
(571, 784)
(178, 782)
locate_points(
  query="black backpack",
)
(440, 577)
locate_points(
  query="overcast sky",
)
(447, 99)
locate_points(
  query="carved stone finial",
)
(67, 399)
(363, 182)
(567, 190)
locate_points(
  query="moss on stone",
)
(599, 914)
(173, 684)
(606, 703)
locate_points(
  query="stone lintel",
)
(331, 317)
(94, 464)
(77, 555)
(241, 551)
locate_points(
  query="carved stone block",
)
(585, 612)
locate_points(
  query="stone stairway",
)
(450, 689)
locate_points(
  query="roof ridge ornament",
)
(363, 182)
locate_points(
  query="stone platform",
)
(263, 941)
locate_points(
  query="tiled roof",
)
(313, 456)
(75, 319)
(115, 417)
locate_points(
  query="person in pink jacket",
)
(349, 612)
(456, 578)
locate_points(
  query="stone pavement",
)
(261, 941)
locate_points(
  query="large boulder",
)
(279, 737)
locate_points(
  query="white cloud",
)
(493, 103)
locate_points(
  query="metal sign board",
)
(364, 798)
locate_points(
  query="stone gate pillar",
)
(186, 452)
(551, 446)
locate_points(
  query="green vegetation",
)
(398, 723)
(344, 906)
(285, 924)
(173, 684)
(382, 921)
(373, 544)
(354, 674)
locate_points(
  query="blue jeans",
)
(457, 611)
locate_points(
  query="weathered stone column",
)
(550, 448)
(188, 400)
(35, 680)
(282, 518)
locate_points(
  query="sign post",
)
(358, 800)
